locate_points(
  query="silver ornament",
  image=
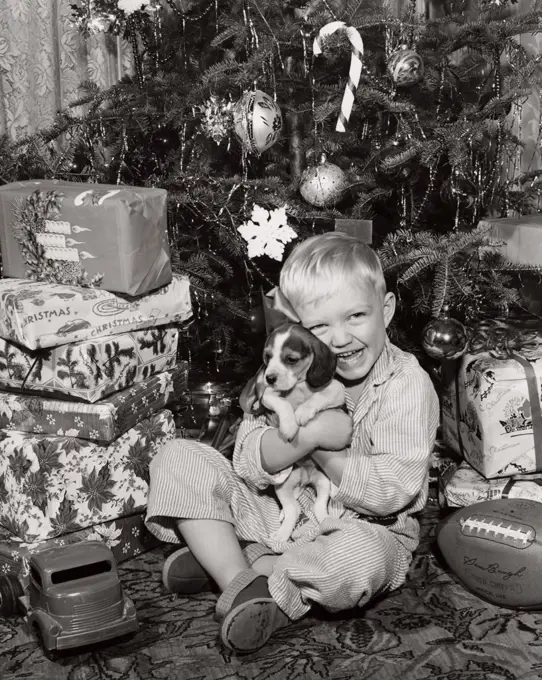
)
(323, 185)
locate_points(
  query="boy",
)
(376, 456)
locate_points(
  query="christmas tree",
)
(269, 120)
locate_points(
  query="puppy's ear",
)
(249, 396)
(324, 362)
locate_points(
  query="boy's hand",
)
(248, 398)
(331, 430)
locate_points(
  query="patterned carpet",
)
(430, 628)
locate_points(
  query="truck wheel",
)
(10, 591)
(51, 654)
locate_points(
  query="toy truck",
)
(75, 598)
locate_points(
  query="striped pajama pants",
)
(340, 564)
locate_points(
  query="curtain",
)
(44, 59)
(527, 122)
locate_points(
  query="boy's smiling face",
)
(352, 322)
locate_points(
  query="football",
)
(495, 550)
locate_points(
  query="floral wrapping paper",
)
(127, 537)
(51, 485)
(102, 421)
(466, 486)
(110, 236)
(41, 315)
(494, 430)
(92, 369)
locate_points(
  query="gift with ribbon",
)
(126, 536)
(108, 236)
(466, 487)
(81, 482)
(491, 412)
(361, 229)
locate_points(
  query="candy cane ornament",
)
(355, 66)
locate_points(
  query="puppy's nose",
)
(271, 379)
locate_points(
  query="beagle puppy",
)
(294, 384)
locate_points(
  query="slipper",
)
(253, 616)
(183, 574)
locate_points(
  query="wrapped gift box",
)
(443, 459)
(40, 315)
(110, 236)
(52, 485)
(92, 369)
(488, 415)
(362, 229)
(522, 237)
(466, 487)
(127, 537)
(102, 421)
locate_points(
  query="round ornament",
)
(257, 121)
(324, 184)
(256, 319)
(458, 191)
(444, 338)
(405, 67)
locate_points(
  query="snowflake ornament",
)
(267, 232)
(217, 118)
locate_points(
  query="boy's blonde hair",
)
(321, 265)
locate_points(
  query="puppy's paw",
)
(288, 429)
(283, 533)
(320, 513)
(305, 413)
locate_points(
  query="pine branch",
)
(391, 262)
(418, 267)
(440, 286)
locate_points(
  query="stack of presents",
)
(90, 318)
(491, 400)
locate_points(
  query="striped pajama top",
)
(386, 471)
